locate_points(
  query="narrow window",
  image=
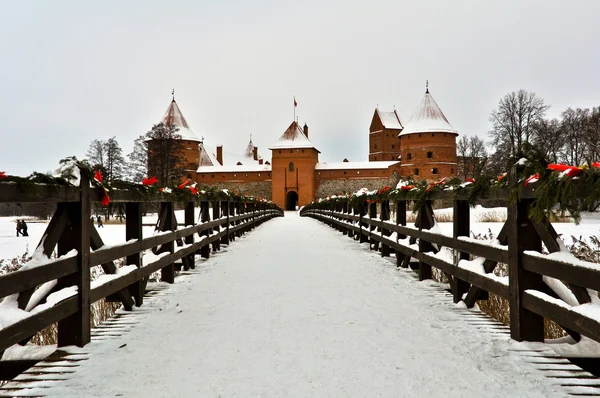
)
(432, 134)
(392, 146)
(291, 166)
(416, 172)
(451, 171)
(429, 155)
(408, 156)
(434, 171)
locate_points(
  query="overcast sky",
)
(74, 71)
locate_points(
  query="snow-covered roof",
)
(208, 156)
(244, 168)
(390, 120)
(428, 118)
(293, 137)
(174, 117)
(354, 165)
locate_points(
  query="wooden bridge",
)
(292, 309)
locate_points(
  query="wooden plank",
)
(563, 316)
(524, 324)
(75, 328)
(401, 220)
(216, 210)
(24, 329)
(167, 223)
(27, 279)
(385, 216)
(225, 209)
(549, 236)
(189, 262)
(11, 192)
(373, 243)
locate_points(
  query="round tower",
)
(428, 143)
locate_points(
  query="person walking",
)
(18, 227)
(99, 221)
(24, 228)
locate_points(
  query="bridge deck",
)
(295, 310)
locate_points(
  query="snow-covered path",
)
(294, 309)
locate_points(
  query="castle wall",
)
(351, 185)
(415, 148)
(259, 189)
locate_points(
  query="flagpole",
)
(294, 108)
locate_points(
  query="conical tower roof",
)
(428, 118)
(293, 137)
(174, 117)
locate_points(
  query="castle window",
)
(344, 172)
(408, 156)
(246, 174)
(357, 172)
(291, 151)
(303, 151)
(269, 174)
(392, 146)
(451, 171)
(259, 174)
(375, 158)
(429, 155)
(419, 135)
(213, 176)
(416, 172)
(279, 151)
(434, 171)
(432, 134)
(235, 175)
(291, 166)
(375, 146)
(332, 173)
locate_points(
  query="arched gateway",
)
(291, 200)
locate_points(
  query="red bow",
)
(105, 199)
(471, 180)
(407, 187)
(98, 176)
(150, 181)
(569, 171)
(595, 164)
(3, 175)
(533, 178)
(183, 184)
(193, 191)
(501, 176)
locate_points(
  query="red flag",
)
(295, 103)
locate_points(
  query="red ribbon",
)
(570, 171)
(98, 176)
(535, 177)
(150, 181)
(3, 175)
(105, 199)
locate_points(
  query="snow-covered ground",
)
(295, 309)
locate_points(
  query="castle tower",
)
(384, 143)
(189, 141)
(428, 143)
(293, 168)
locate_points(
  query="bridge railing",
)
(59, 290)
(555, 285)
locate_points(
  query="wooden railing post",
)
(385, 216)
(426, 221)
(204, 217)
(167, 274)
(189, 220)
(75, 329)
(373, 243)
(231, 214)
(363, 212)
(225, 238)
(462, 227)
(216, 215)
(400, 220)
(524, 324)
(345, 229)
(133, 230)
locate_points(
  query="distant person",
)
(19, 227)
(24, 228)
(99, 222)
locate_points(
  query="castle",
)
(424, 148)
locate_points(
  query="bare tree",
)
(96, 155)
(592, 135)
(137, 162)
(115, 163)
(549, 139)
(574, 126)
(471, 156)
(165, 155)
(513, 122)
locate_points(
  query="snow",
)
(29, 351)
(175, 117)
(293, 138)
(390, 120)
(428, 118)
(274, 315)
(354, 165)
(103, 279)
